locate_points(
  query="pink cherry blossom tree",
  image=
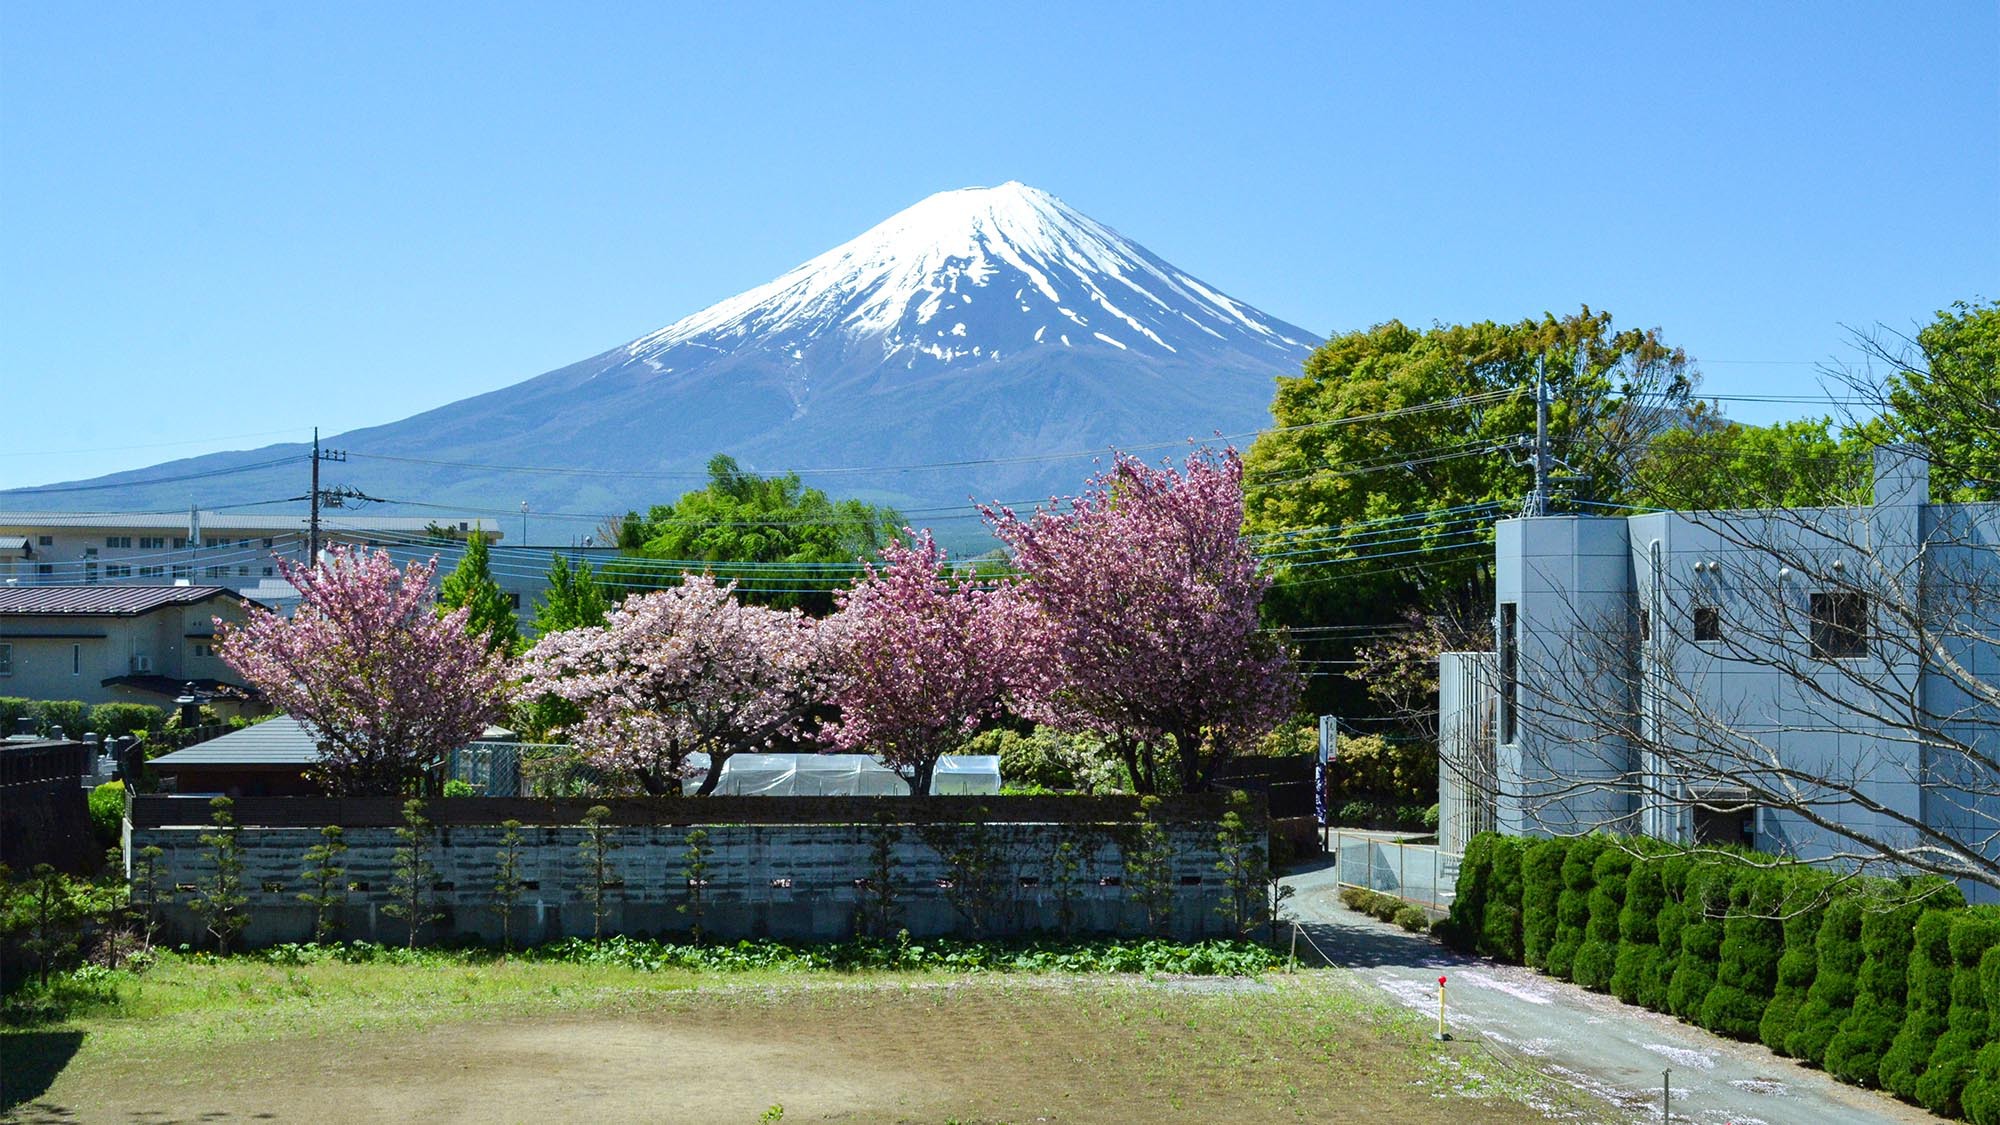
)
(923, 657)
(388, 686)
(677, 672)
(1141, 618)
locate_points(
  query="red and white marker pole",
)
(1441, 1033)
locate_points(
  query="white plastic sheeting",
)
(841, 775)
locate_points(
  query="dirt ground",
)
(984, 1050)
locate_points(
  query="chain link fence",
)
(1421, 873)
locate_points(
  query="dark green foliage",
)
(595, 851)
(412, 877)
(325, 881)
(574, 599)
(1838, 946)
(1149, 866)
(115, 720)
(1597, 957)
(1654, 978)
(219, 899)
(1500, 929)
(107, 812)
(1927, 995)
(1803, 909)
(1467, 919)
(1981, 1096)
(1706, 902)
(1753, 939)
(1541, 887)
(1855, 1054)
(72, 716)
(1973, 933)
(508, 882)
(470, 586)
(1573, 905)
(1639, 928)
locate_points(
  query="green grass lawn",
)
(537, 1041)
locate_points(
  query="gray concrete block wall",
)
(796, 882)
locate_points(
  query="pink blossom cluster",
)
(923, 657)
(1139, 615)
(678, 672)
(367, 664)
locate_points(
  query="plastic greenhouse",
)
(844, 775)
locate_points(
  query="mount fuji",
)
(984, 343)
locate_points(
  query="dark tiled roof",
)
(282, 741)
(102, 600)
(171, 687)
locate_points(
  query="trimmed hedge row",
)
(1890, 983)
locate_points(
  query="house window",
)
(180, 542)
(267, 572)
(1510, 671)
(1645, 625)
(216, 572)
(6, 660)
(114, 570)
(242, 544)
(182, 570)
(204, 650)
(514, 599)
(46, 540)
(76, 660)
(1839, 625)
(45, 568)
(152, 542)
(243, 572)
(268, 543)
(1707, 623)
(152, 571)
(121, 541)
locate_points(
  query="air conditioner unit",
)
(142, 664)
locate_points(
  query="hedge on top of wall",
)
(1804, 909)
(1541, 887)
(1972, 933)
(1597, 957)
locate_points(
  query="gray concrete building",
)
(1820, 682)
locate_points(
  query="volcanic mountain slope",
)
(985, 328)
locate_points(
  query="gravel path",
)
(1612, 1051)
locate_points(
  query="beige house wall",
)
(70, 657)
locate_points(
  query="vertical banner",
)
(1329, 734)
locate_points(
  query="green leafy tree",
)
(470, 585)
(1943, 393)
(1395, 448)
(325, 880)
(1240, 844)
(694, 868)
(48, 913)
(741, 519)
(877, 916)
(1149, 866)
(412, 877)
(146, 896)
(220, 899)
(974, 855)
(507, 881)
(1711, 463)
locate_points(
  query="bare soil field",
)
(1304, 1047)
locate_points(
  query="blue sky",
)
(221, 225)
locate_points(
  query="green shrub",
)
(1541, 887)
(107, 812)
(1500, 930)
(1638, 928)
(1597, 957)
(1753, 939)
(1573, 905)
(1973, 932)
(1838, 946)
(1706, 901)
(1855, 1054)
(113, 720)
(1804, 908)
(12, 710)
(1654, 978)
(1412, 918)
(1981, 1096)
(72, 715)
(1927, 999)
(1468, 905)
(1430, 819)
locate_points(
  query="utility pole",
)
(1538, 500)
(334, 499)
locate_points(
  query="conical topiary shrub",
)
(1639, 929)
(1855, 1055)
(1831, 996)
(1803, 908)
(1981, 1097)
(1598, 955)
(1654, 978)
(1541, 888)
(1927, 998)
(1753, 938)
(1468, 903)
(1500, 932)
(1706, 901)
(1573, 905)
(1973, 932)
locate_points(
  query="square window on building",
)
(268, 572)
(242, 572)
(269, 542)
(1707, 623)
(45, 540)
(180, 542)
(45, 568)
(1510, 672)
(1839, 625)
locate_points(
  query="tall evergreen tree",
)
(470, 586)
(575, 598)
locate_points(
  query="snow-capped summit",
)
(982, 343)
(979, 273)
